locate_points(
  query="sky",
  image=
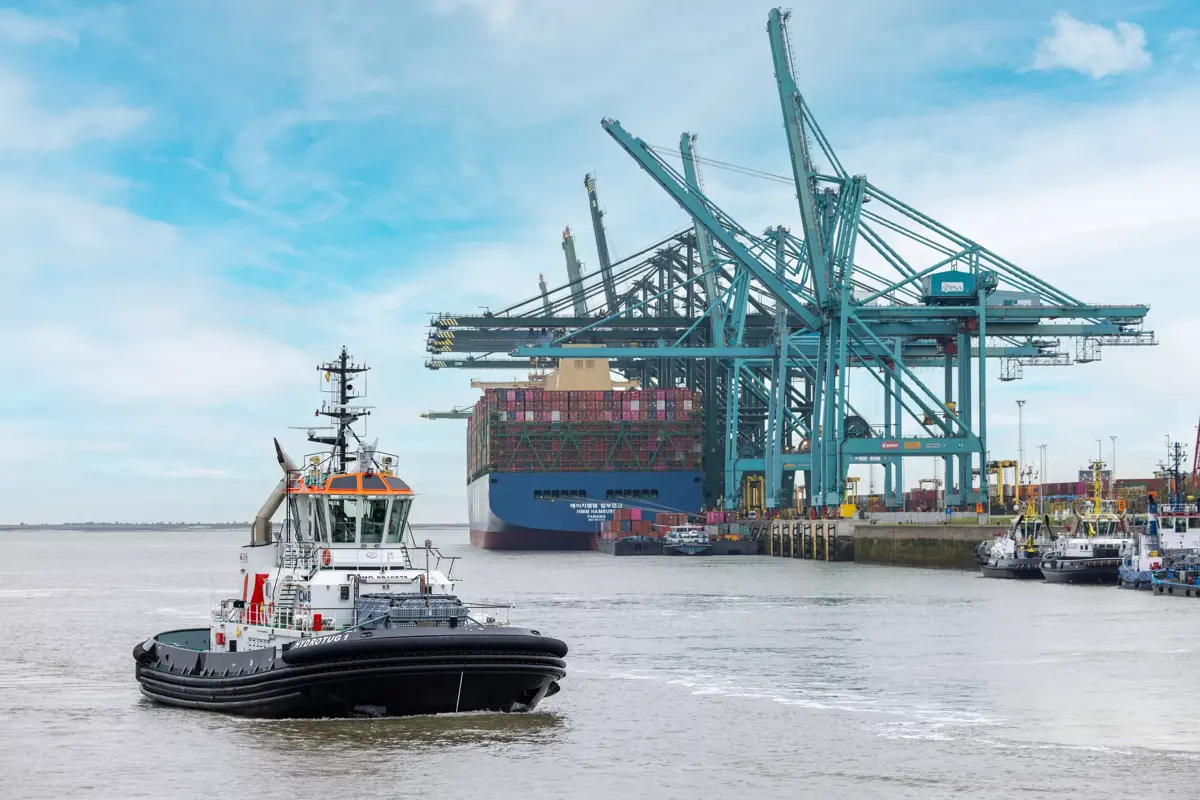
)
(201, 202)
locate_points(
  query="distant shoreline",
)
(171, 526)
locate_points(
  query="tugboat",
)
(1178, 536)
(1091, 552)
(687, 540)
(1138, 566)
(1018, 552)
(1171, 535)
(338, 615)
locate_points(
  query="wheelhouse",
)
(350, 510)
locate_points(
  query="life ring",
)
(326, 557)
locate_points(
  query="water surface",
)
(688, 677)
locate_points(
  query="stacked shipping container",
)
(535, 430)
(639, 522)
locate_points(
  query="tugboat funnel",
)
(261, 532)
(285, 461)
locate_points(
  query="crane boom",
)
(574, 274)
(802, 170)
(462, 412)
(545, 296)
(610, 289)
(687, 148)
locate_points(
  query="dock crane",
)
(769, 326)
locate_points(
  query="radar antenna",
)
(339, 408)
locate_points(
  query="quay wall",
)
(946, 546)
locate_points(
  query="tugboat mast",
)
(1174, 460)
(340, 411)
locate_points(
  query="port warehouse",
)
(766, 328)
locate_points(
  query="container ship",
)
(551, 459)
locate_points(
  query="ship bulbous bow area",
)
(354, 673)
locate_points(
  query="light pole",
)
(1112, 472)
(1042, 477)
(1020, 445)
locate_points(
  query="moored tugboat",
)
(1169, 539)
(1091, 552)
(338, 614)
(1018, 552)
(1139, 565)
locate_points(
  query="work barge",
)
(772, 328)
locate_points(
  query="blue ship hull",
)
(566, 510)
(1131, 578)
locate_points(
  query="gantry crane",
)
(770, 326)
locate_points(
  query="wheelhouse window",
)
(1181, 525)
(294, 520)
(373, 483)
(374, 514)
(343, 519)
(395, 529)
(317, 512)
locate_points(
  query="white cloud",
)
(21, 29)
(167, 360)
(27, 127)
(1093, 49)
(59, 231)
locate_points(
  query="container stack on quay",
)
(634, 531)
(523, 430)
(642, 522)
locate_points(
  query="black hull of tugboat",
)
(1082, 570)
(358, 673)
(1018, 569)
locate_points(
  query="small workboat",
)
(687, 540)
(1181, 578)
(340, 612)
(1091, 551)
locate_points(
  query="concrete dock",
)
(921, 544)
